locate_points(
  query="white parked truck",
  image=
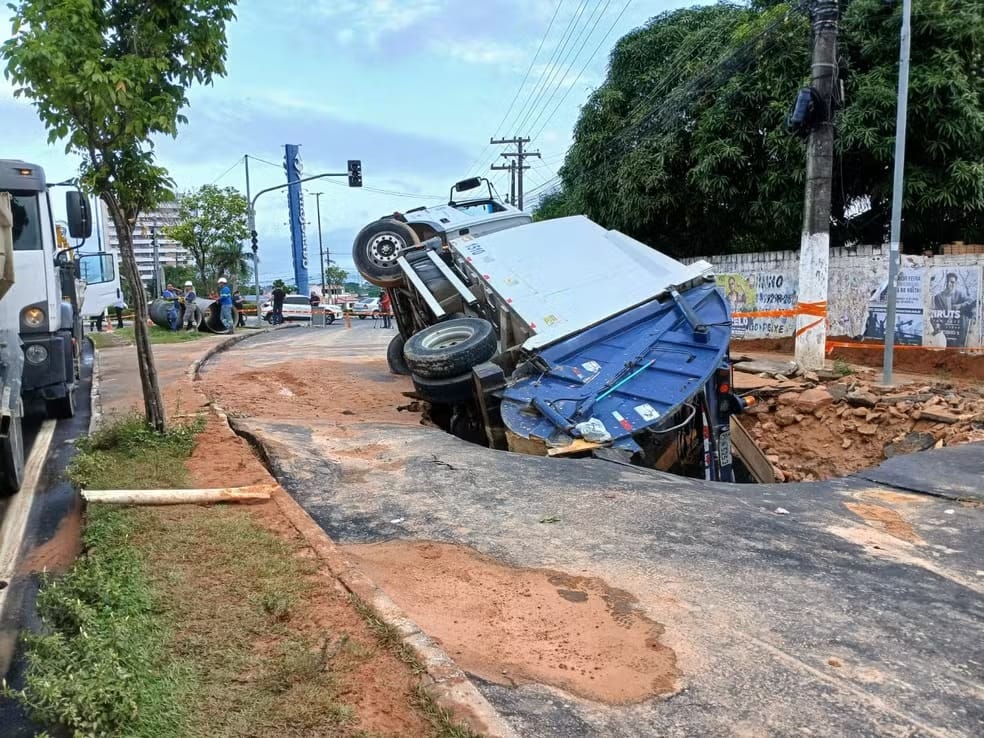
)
(41, 291)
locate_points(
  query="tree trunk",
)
(153, 405)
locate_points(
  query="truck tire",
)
(450, 348)
(436, 282)
(62, 408)
(12, 458)
(447, 391)
(394, 356)
(378, 246)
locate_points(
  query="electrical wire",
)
(221, 176)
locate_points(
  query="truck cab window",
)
(27, 221)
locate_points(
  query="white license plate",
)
(724, 448)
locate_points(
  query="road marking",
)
(20, 506)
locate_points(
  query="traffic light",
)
(253, 235)
(355, 172)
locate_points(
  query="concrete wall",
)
(928, 312)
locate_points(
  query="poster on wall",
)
(908, 310)
(740, 293)
(953, 307)
(774, 291)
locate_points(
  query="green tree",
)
(106, 77)
(290, 289)
(178, 275)
(335, 276)
(211, 227)
(684, 145)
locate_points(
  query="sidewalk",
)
(223, 459)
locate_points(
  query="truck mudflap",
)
(635, 372)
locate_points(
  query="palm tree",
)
(231, 262)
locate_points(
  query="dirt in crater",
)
(515, 626)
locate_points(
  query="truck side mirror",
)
(467, 184)
(79, 215)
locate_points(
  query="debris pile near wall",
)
(812, 429)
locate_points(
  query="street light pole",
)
(321, 246)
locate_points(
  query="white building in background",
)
(149, 223)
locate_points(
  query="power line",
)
(581, 73)
(529, 69)
(221, 176)
(571, 54)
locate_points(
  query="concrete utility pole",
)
(157, 260)
(255, 248)
(511, 168)
(811, 323)
(896, 232)
(520, 157)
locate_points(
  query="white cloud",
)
(472, 51)
(366, 21)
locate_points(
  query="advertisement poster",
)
(774, 291)
(908, 310)
(953, 307)
(740, 293)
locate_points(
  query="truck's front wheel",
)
(63, 407)
(12, 458)
(378, 246)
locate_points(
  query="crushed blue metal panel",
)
(632, 372)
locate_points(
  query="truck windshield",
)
(27, 221)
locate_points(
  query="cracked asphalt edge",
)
(443, 679)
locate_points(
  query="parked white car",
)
(298, 307)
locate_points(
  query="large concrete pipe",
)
(211, 314)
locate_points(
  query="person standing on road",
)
(240, 304)
(118, 308)
(171, 295)
(386, 308)
(278, 305)
(193, 313)
(314, 299)
(225, 304)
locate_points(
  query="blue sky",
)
(414, 88)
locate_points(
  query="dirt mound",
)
(811, 430)
(514, 626)
(317, 389)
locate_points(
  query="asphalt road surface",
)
(788, 613)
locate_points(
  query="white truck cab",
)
(40, 309)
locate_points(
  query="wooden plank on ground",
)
(747, 450)
(252, 493)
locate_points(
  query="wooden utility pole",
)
(520, 156)
(511, 168)
(811, 321)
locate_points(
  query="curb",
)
(445, 681)
(218, 348)
(95, 398)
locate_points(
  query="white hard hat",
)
(222, 280)
(189, 284)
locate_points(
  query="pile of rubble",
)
(820, 425)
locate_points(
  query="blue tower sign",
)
(295, 203)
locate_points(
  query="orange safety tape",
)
(818, 309)
(831, 345)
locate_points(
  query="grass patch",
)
(124, 336)
(103, 667)
(127, 454)
(842, 368)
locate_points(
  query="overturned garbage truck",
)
(557, 337)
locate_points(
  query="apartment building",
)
(148, 224)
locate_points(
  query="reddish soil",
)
(514, 626)
(966, 366)
(223, 459)
(886, 519)
(317, 390)
(58, 553)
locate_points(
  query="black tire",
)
(436, 282)
(62, 408)
(329, 318)
(362, 317)
(450, 348)
(12, 458)
(377, 247)
(394, 356)
(447, 391)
